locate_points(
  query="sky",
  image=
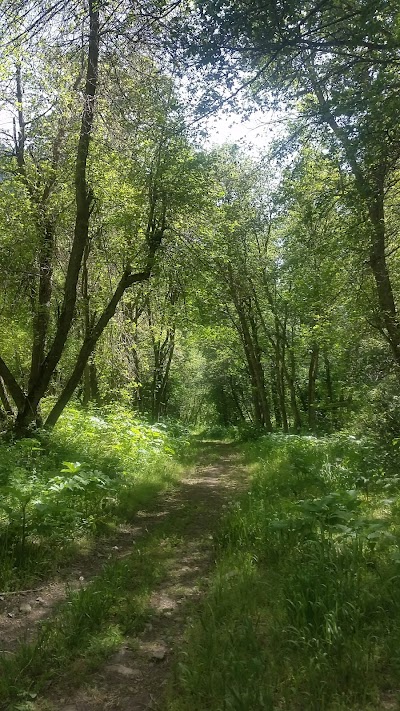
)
(252, 128)
(254, 133)
(5, 127)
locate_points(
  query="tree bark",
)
(280, 343)
(261, 407)
(163, 354)
(90, 389)
(372, 194)
(161, 398)
(94, 383)
(235, 399)
(135, 356)
(291, 381)
(46, 233)
(155, 233)
(265, 407)
(90, 341)
(328, 377)
(275, 396)
(312, 377)
(4, 399)
(13, 387)
(377, 259)
(41, 317)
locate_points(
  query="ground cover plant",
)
(94, 471)
(83, 634)
(86, 629)
(303, 610)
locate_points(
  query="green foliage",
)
(91, 472)
(379, 419)
(304, 605)
(87, 627)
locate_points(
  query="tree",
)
(338, 65)
(38, 182)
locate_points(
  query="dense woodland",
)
(198, 283)
(156, 285)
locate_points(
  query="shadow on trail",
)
(217, 479)
(181, 525)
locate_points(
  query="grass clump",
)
(304, 608)
(94, 471)
(87, 627)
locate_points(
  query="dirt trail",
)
(134, 678)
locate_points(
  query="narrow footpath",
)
(135, 676)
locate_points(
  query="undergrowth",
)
(304, 609)
(92, 472)
(90, 625)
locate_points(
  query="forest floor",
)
(175, 536)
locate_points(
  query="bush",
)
(379, 422)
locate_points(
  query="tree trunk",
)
(282, 398)
(372, 194)
(14, 389)
(45, 227)
(328, 377)
(136, 361)
(90, 384)
(235, 399)
(380, 271)
(291, 381)
(278, 343)
(275, 396)
(86, 396)
(260, 375)
(127, 280)
(163, 390)
(163, 354)
(4, 399)
(279, 348)
(91, 339)
(248, 333)
(41, 316)
(256, 384)
(94, 383)
(312, 377)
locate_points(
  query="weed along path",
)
(111, 644)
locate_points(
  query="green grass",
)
(304, 608)
(92, 622)
(93, 472)
(88, 626)
(303, 611)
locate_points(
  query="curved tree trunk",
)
(371, 190)
(4, 399)
(90, 342)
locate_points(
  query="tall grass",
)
(92, 472)
(304, 609)
(87, 627)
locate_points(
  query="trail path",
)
(134, 678)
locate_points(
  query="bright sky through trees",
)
(254, 133)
